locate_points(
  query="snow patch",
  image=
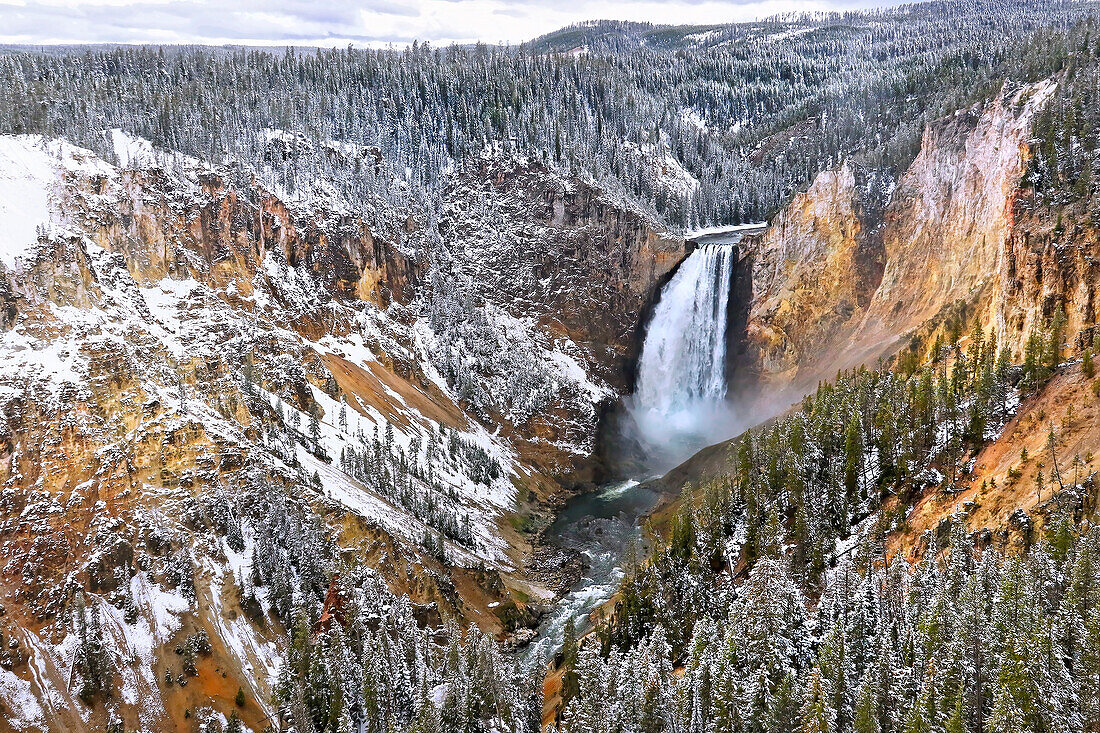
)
(24, 712)
(31, 183)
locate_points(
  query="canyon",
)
(177, 335)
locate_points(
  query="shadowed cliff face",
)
(585, 266)
(574, 268)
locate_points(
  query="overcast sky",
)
(360, 22)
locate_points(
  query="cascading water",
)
(679, 405)
(681, 389)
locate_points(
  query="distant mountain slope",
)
(751, 111)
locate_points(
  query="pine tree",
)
(1088, 676)
(866, 716)
(817, 715)
(93, 659)
(1006, 716)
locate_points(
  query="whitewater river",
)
(601, 525)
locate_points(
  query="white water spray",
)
(681, 391)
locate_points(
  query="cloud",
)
(360, 22)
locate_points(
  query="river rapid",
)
(603, 526)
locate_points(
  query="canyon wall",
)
(190, 359)
(559, 250)
(814, 269)
(840, 280)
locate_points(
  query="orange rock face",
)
(839, 280)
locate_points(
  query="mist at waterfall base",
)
(681, 403)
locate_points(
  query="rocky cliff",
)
(1050, 263)
(841, 279)
(563, 252)
(560, 264)
(204, 382)
(813, 270)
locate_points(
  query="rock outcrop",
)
(839, 280)
(1051, 261)
(585, 266)
(951, 216)
(813, 270)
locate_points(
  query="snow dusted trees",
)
(965, 641)
(767, 614)
(749, 112)
(93, 660)
(364, 663)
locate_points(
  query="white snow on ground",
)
(570, 369)
(705, 37)
(674, 177)
(482, 502)
(132, 152)
(723, 229)
(134, 645)
(31, 184)
(47, 664)
(24, 712)
(57, 361)
(668, 172)
(139, 153)
(249, 646)
(27, 180)
(692, 117)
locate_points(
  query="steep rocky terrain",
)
(999, 498)
(851, 269)
(566, 262)
(814, 269)
(962, 241)
(194, 367)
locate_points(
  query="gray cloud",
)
(374, 22)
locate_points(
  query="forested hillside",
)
(777, 598)
(702, 126)
(302, 352)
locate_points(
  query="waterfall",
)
(681, 387)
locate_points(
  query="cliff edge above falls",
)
(563, 261)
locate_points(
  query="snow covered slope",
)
(212, 399)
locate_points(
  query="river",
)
(601, 525)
